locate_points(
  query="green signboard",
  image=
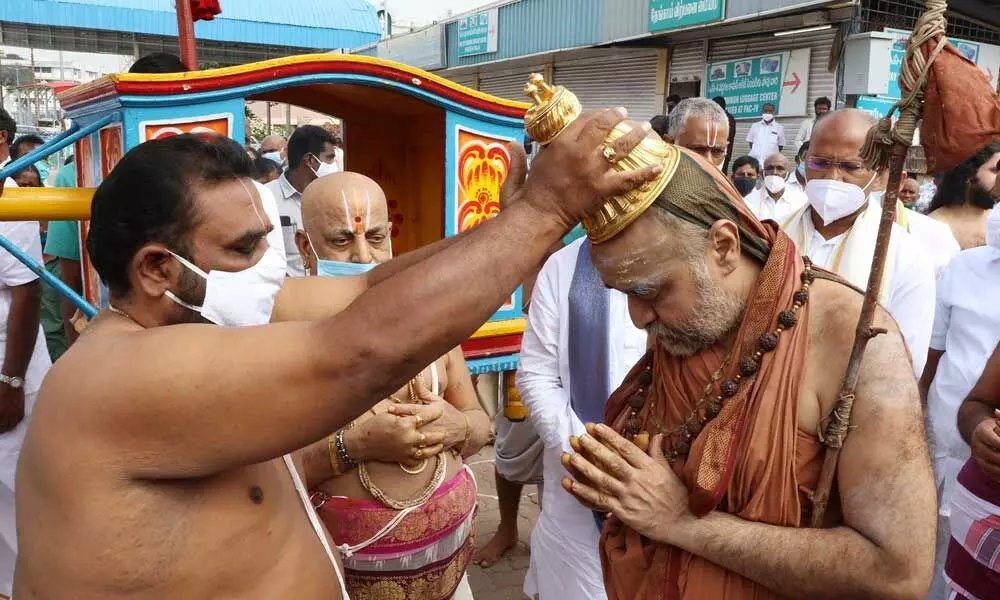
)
(477, 34)
(747, 84)
(665, 15)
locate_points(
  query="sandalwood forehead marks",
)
(711, 134)
(358, 220)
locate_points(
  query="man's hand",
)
(571, 179)
(390, 438)
(615, 476)
(451, 426)
(986, 446)
(11, 407)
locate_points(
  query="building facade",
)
(636, 53)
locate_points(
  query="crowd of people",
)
(273, 403)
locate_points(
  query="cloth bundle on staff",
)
(961, 114)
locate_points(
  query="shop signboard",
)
(665, 15)
(986, 56)
(477, 34)
(748, 83)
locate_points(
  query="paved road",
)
(504, 580)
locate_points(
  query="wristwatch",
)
(14, 382)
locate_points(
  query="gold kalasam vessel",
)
(553, 109)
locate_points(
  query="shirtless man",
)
(346, 231)
(154, 465)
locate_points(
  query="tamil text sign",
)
(665, 15)
(747, 84)
(477, 34)
(985, 56)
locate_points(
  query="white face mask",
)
(774, 184)
(833, 200)
(274, 156)
(993, 229)
(768, 117)
(325, 168)
(240, 298)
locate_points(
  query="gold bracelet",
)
(468, 434)
(331, 451)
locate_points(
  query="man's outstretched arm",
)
(198, 400)
(315, 298)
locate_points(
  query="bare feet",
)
(502, 541)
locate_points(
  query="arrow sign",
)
(794, 83)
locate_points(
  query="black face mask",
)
(744, 185)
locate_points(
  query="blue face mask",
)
(43, 171)
(274, 157)
(336, 268)
(801, 169)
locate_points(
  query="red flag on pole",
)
(205, 10)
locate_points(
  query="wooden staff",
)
(885, 147)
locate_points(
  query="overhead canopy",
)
(331, 24)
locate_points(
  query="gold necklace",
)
(121, 313)
(425, 494)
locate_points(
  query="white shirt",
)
(766, 139)
(765, 207)
(805, 133)
(564, 545)
(290, 208)
(10, 180)
(911, 297)
(967, 329)
(13, 273)
(936, 238)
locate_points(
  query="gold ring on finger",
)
(609, 153)
(418, 422)
(423, 441)
(418, 454)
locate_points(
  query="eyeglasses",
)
(824, 165)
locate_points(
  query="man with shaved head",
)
(701, 126)
(838, 227)
(345, 225)
(346, 231)
(775, 200)
(273, 148)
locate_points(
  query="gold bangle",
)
(468, 434)
(331, 450)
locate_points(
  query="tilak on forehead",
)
(687, 187)
(711, 134)
(355, 222)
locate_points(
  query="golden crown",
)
(553, 109)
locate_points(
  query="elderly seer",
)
(702, 127)
(165, 472)
(838, 227)
(381, 483)
(750, 343)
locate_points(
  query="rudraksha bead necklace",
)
(678, 440)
